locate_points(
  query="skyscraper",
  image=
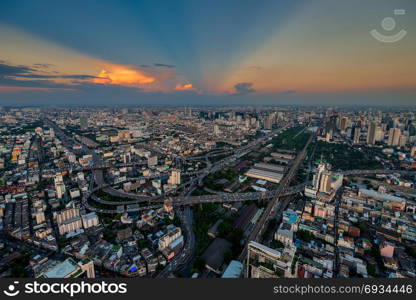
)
(394, 137)
(175, 177)
(357, 135)
(83, 122)
(344, 124)
(317, 177)
(371, 134)
(325, 184)
(268, 124)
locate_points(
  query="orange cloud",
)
(123, 76)
(184, 87)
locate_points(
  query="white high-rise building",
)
(317, 177)
(68, 220)
(90, 220)
(175, 177)
(357, 135)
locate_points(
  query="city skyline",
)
(199, 53)
(207, 192)
(194, 139)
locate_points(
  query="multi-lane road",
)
(271, 208)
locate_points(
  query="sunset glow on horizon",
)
(292, 46)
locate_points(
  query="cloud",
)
(43, 65)
(243, 88)
(40, 76)
(101, 74)
(24, 77)
(10, 70)
(122, 75)
(184, 87)
(163, 65)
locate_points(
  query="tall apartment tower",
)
(175, 177)
(344, 124)
(317, 177)
(325, 184)
(371, 134)
(413, 152)
(83, 122)
(394, 137)
(357, 135)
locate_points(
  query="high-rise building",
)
(379, 134)
(357, 135)
(68, 220)
(39, 148)
(344, 124)
(371, 134)
(394, 137)
(83, 122)
(413, 152)
(325, 184)
(403, 140)
(90, 220)
(317, 177)
(175, 177)
(268, 124)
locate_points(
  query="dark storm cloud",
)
(39, 76)
(10, 70)
(18, 75)
(163, 65)
(31, 83)
(244, 88)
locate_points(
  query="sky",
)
(198, 52)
